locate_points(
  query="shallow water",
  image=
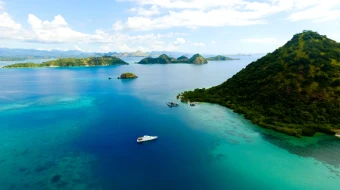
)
(72, 128)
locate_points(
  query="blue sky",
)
(204, 26)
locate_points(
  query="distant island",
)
(294, 90)
(220, 58)
(164, 59)
(183, 59)
(72, 62)
(127, 76)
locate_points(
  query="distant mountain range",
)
(7, 54)
(128, 54)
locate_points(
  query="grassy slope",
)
(294, 90)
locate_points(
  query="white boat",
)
(146, 138)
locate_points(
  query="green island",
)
(220, 58)
(183, 59)
(127, 76)
(165, 59)
(72, 62)
(294, 90)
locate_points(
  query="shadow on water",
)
(326, 149)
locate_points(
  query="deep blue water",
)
(76, 123)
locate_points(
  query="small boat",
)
(146, 138)
(172, 104)
(192, 104)
(109, 78)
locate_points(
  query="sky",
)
(192, 26)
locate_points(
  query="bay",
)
(72, 128)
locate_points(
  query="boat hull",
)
(172, 104)
(143, 139)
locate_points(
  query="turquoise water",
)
(72, 128)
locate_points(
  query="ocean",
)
(72, 128)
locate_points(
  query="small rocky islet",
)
(127, 75)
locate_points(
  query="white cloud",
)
(267, 41)
(106, 48)
(56, 31)
(187, 4)
(125, 48)
(320, 12)
(2, 5)
(163, 14)
(76, 47)
(179, 41)
(7, 22)
(154, 10)
(59, 31)
(10, 29)
(192, 19)
(118, 26)
(199, 44)
(199, 13)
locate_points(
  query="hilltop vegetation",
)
(294, 90)
(197, 59)
(183, 59)
(72, 62)
(219, 58)
(127, 76)
(164, 59)
(128, 54)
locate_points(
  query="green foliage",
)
(128, 76)
(294, 90)
(183, 59)
(164, 59)
(219, 58)
(72, 62)
(22, 65)
(197, 59)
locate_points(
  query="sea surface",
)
(72, 128)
